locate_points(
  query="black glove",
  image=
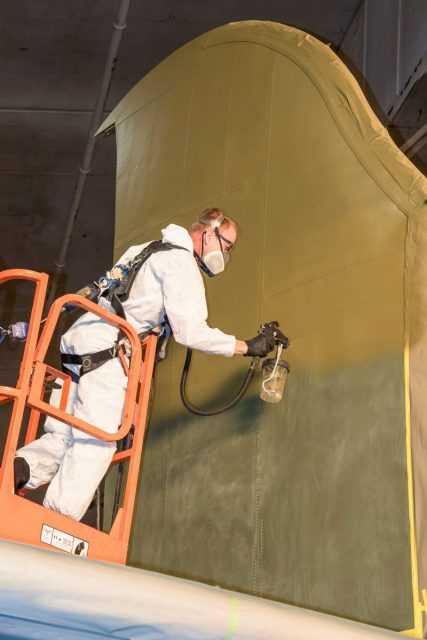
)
(259, 346)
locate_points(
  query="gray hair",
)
(213, 218)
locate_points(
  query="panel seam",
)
(187, 128)
(227, 130)
(258, 533)
(200, 204)
(326, 274)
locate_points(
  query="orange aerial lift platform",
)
(25, 521)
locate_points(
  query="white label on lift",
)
(64, 541)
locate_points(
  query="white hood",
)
(178, 235)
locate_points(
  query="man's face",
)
(227, 238)
(211, 242)
(222, 239)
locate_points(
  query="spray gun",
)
(272, 328)
(274, 370)
(282, 342)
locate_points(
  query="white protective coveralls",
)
(74, 463)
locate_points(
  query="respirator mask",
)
(214, 262)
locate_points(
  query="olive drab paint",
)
(306, 501)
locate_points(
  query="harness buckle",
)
(86, 363)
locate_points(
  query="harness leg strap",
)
(88, 362)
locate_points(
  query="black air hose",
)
(213, 412)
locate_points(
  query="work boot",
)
(22, 472)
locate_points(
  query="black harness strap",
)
(121, 292)
(88, 361)
(91, 361)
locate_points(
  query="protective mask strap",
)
(199, 259)
(202, 265)
(225, 254)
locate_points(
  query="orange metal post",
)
(25, 521)
(19, 393)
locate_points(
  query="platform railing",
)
(29, 392)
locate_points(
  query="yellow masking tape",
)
(418, 622)
(233, 624)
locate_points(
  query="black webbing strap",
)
(88, 361)
(91, 361)
(121, 292)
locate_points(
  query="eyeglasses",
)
(228, 244)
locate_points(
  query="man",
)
(168, 284)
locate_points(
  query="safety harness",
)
(117, 292)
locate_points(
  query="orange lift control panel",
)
(23, 520)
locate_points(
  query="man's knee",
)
(21, 470)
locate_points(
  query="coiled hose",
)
(213, 412)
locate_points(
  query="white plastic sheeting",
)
(45, 594)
